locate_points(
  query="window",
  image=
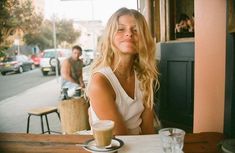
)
(181, 19)
(170, 12)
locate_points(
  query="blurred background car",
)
(36, 59)
(88, 56)
(18, 63)
(51, 57)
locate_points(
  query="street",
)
(15, 83)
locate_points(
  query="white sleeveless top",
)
(130, 109)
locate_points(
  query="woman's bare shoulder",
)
(100, 84)
(98, 80)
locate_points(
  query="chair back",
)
(74, 115)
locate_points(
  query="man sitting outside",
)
(71, 72)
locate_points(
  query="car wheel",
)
(21, 70)
(32, 67)
(88, 62)
(44, 73)
(3, 73)
(53, 61)
(91, 60)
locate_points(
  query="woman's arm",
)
(102, 99)
(147, 126)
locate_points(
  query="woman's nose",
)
(129, 33)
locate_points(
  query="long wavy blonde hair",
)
(144, 62)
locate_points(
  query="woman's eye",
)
(134, 30)
(120, 29)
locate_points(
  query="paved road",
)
(13, 84)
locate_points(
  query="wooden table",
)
(45, 143)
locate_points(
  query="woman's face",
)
(126, 37)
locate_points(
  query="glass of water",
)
(172, 139)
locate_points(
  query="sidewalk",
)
(13, 111)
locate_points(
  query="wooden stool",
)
(42, 112)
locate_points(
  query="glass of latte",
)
(103, 132)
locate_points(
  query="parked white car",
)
(88, 55)
(50, 59)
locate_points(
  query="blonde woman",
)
(123, 75)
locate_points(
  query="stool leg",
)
(58, 115)
(42, 124)
(28, 122)
(48, 128)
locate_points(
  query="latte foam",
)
(103, 125)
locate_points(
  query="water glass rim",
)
(170, 129)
